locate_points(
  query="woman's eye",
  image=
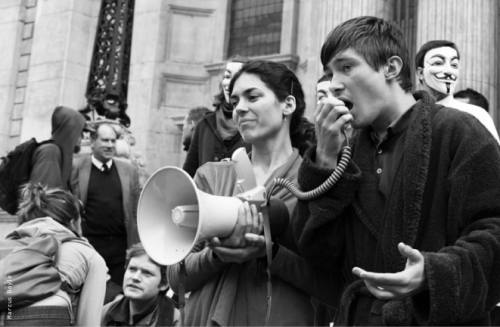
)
(437, 63)
(252, 97)
(454, 65)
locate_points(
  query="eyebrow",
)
(443, 57)
(246, 91)
(341, 59)
(141, 269)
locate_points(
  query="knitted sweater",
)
(443, 202)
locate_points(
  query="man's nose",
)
(136, 276)
(336, 86)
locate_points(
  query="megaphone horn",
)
(173, 215)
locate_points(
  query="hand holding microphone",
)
(330, 117)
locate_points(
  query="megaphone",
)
(174, 215)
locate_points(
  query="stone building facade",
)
(179, 48)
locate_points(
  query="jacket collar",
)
(119, 312)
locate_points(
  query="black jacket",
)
(207, 145)
(444, 202)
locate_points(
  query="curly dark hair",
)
(283, 82)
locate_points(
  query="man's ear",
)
(420, 74)
(393, 68)
(290, 105)
(192, 125)
(163, 287)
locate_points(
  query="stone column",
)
(60, 54)
(13, 15)
(317, 19)
(471, 25)
(172, 41)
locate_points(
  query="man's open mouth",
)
(348, 104)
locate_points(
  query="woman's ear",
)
(290, 105)
(393, 68)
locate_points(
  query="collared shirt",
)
(99, 164)
(389, 151)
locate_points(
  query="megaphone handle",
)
(182, 290)
(269, 252)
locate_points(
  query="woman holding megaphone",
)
(227, 277)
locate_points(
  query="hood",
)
(38, 227)
(67, 127)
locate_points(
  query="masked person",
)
(411, 229)
(438, 68)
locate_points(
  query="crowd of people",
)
(408, 235)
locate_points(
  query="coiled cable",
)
(323, 188)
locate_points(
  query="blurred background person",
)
(145, 302)
(193, 117)
(216, 136)
(323, 92)
(52, 161)
(45, 212)
(109, 190)
(473, 97)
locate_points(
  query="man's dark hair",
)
(375, 39)
(419, 58)
(474, 97)
(137, 250)
(196, 114)
(323, 78)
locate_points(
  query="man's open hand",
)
(399, 285)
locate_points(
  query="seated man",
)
(145, 303)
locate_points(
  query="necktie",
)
(105, 169)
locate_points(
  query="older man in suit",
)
(109, 189)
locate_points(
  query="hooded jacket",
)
(443, 202)
(80, 267)
(52, 162)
